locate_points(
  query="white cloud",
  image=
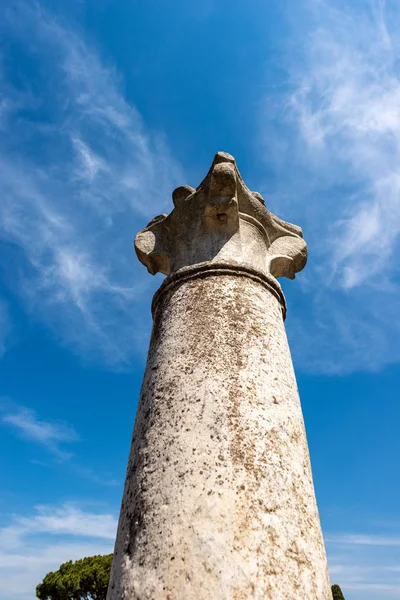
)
(91, 163)
(4, 327)
(336, 153)
(364, 540)
(53, 436)
(32, 546)
(375, 587)
(21, 572)
(365, 562)
(67, 520)
(346, 107)
(71, 206)
(50, 434)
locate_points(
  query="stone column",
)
(219, 500)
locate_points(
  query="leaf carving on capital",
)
(221, 220)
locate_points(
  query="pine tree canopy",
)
(85, 579)
(337, 592)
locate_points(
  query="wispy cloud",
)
(53, 436)
(346, 108)
(51, 535)
(376, 587)
(40, 431)
(365, 562)
(336, 159)
(364, 540)
(50, 434)
(66, 520)
(4, 326)
(79, 174)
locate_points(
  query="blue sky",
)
(105, 107)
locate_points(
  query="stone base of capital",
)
(213, 269)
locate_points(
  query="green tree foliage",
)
(337, 593)
(85, 579)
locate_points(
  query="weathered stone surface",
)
(219, 500)
(222, 220)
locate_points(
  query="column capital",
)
(221, 221)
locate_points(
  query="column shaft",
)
(219, 501)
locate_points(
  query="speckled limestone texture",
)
(219, 500)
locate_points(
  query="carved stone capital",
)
(221, 221)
